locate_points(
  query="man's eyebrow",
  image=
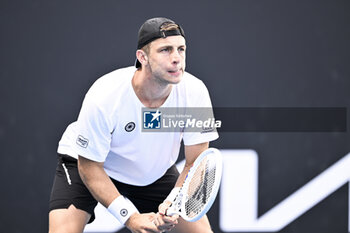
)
(165, 47)
(172, 46)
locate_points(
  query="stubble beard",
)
(159, 77)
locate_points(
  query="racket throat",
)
(176, 206)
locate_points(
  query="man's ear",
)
(142, 57)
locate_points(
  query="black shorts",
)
(68, 188)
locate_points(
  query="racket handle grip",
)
(170, 211)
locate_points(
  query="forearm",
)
(102, 188)
(97, 181)
(183, 174)
(191, 154)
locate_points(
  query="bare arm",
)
(97, 181)
(103, 190)
(191, 154)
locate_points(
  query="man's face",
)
(167, 59)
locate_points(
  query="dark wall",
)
(249, 54)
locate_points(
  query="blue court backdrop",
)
(254, 54)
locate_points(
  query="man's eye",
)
(165, 50)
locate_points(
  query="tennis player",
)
(106, 157)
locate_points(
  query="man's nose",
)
(175, 57)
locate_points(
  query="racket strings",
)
(200, 188)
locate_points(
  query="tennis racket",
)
(200, 188)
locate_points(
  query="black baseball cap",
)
(151, 30)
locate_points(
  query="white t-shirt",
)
(109, 128)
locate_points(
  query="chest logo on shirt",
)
(130, 126)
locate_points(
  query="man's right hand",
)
(142, 223)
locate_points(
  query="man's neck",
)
(151, 93)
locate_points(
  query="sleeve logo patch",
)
(83, 142)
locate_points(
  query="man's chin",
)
(175, 80)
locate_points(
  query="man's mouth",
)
(175, 72)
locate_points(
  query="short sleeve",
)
(93, 132)
(200, 99)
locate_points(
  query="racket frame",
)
(178, 205)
